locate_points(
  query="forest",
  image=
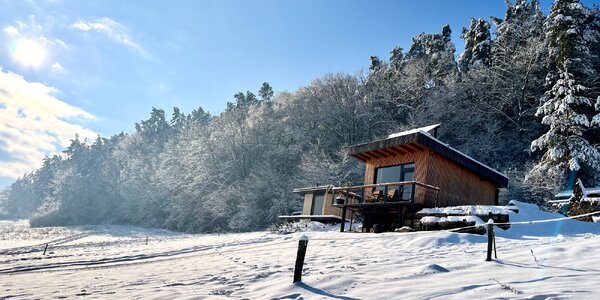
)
(523, 97)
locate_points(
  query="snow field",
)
(547, 260)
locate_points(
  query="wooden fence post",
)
(45, 248)
(302, 245)
(490, 234)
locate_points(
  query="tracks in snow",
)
(36, 247)
(130, 259)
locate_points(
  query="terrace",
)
(399, 199)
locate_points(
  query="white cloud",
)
(30, 29)
(57, 67)
(61, 43)
(11, 30)
(34, 123)
(113, 30)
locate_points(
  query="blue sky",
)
(102, 65)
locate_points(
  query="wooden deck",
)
(363, 200)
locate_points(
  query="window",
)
(317, 204)
(405, 172)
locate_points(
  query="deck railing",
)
(412, 192)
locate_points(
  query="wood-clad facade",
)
(458, 185)
(327, 207)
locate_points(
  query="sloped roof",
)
(425, 129)
(310, 189)
(417, 139)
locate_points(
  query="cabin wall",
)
(328, 208)
(458, 185)
(307, 203)
(420, 159)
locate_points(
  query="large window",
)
(317, 204)
(405, 172)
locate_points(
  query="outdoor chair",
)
(393, 195)
(376, 196)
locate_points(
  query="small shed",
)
(317, 205)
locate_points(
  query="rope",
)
(458, 230)
(549, 220)
(524, 222)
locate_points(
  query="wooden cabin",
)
(405, 172)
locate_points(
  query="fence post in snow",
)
(302, 245)
(45, 248)
(490, 234)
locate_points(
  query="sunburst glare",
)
(28, 52)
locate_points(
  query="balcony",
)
(384, 198)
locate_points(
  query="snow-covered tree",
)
(499, 90)
(266, 92)
(522, 20)
(478, 45)
(569, 107)
(437, 52)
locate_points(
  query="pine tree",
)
(477, 45)
(521, 21)
(437, 53)
(569, 106)
(266, 92)
(500, 86)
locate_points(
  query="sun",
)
(28, 52)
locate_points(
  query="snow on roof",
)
(591, 194)
(424, 129)
(564, 194)
(587, 191)
(310, 189)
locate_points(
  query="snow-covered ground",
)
(535, 261)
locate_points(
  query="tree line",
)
(523, 98)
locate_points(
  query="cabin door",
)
(317, 204)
